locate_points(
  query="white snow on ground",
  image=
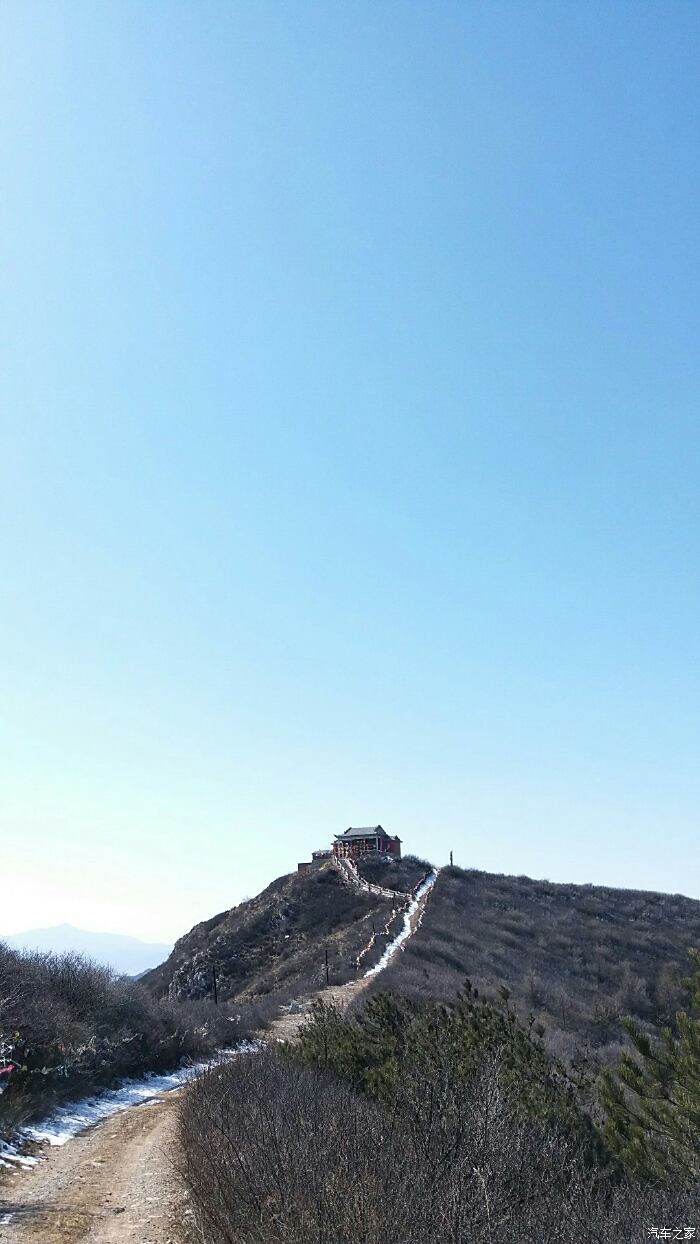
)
(74, 1117)
(406, 931)
(348, 869)
(68, 1120)
(9, 1154)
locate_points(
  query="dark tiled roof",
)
(367, 831)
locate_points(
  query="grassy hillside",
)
(275, 943)
(578, 957)
(438, 1111)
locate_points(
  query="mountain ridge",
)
(576, 957)
(127, 955)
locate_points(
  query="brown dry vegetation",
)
(402, 875)
(274, 945)
(73, 1026)
(276, 1153)
(577, 957)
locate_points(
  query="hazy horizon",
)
(52, 928)
(350, 446)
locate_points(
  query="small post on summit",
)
(451, 864)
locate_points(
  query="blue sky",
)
(350, 445)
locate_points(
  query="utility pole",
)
(213, 979)
(327, 976)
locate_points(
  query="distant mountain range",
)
(127, 955)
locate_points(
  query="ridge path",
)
(118, 1182)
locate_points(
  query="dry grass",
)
(578, 957)
(274, 945)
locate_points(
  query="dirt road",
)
(287, 1026)
(117, 1182)
(114, 1184)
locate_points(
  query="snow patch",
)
(9, 1154)
(424, 888)
(69, 1120)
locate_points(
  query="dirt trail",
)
(287, 1026)
(117, 1182)
(114, 1184)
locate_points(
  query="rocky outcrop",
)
(276, 942)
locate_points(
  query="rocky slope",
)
(275, 943)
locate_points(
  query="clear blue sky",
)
(350, 445)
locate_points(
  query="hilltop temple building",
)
(366, 841)
(354, 843)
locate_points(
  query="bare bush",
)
(402, 875)
(275, 1152)
(71, 1026)
(577, 957)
